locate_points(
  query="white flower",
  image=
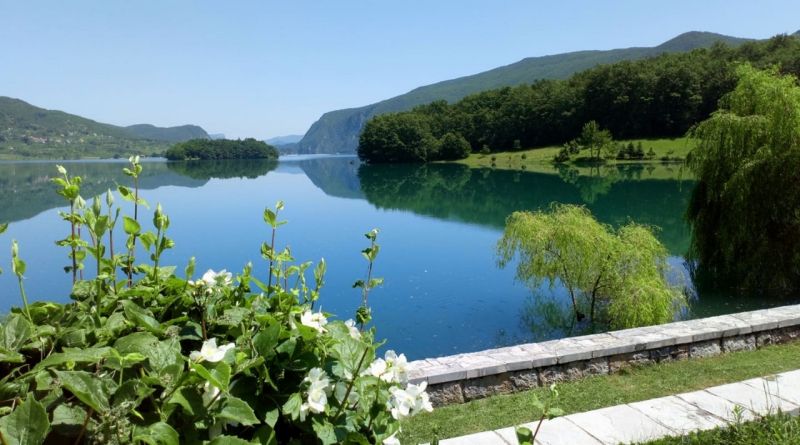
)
(398, 366)
(211, 278)
(318, 392)
(391, 440)
(377, 368)
(210, 352)
(394, 369)
(314, 320)
(318, 396)
(409, 401)
(210, 393)
(353, 329)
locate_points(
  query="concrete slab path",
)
(653, 419)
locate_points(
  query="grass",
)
(541, 159)
(774, 429)
(633, 385)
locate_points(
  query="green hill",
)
(338, 131)
(169, 134)
(30, 132)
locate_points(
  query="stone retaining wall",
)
(464, 377)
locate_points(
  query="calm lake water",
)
(443, 293)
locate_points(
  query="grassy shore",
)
(633, 385)
(541, 159)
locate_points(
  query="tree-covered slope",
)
(30, 132)
(337, 131)
(169, 134)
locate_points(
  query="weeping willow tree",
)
(745, 209)
(613, 276)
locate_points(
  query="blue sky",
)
(265, 68)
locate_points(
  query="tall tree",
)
(745, 210)
(595, 139)
(617, 276)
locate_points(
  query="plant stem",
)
(350, 387)
(83, 428)
(72, 224)
(24, 299)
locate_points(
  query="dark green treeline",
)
(221, 149)
(651, 98)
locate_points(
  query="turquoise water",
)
(443, 293)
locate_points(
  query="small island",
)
(221, 149)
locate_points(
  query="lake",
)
(443, 293)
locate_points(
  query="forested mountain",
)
(169, 134)
(30, 132)
(658, 97)
(337, 131)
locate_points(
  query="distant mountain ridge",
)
(31, 132)
(169, 134)
(338, 131)
(283, 140)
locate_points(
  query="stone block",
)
(739, 343)
(758, 320)
(485, 438)
(620, 424)
(596, 366)
(678, 415)
(479, 365)
(558, 431)
(708, 348)
(755, 399)
(718, 406)
(524, 380)
(512, 362)
(764, 338)
(445, 394)
(618, 362)
(561, 373)
(486, 386)
(446, 373)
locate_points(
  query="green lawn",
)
(636, 384)
(537, 158)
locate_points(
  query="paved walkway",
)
(653, 419)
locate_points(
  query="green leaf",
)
(191, 401)
(91, 355)
(131, 391)
(232, 408)
(68, 419)
(266, 340)
(28, 424)
(355, 439)
(228, 440)
(157, 434)
(3, 228)
(292, 406)
(325, 431)
(350, 351)
(190, 268)
(130, 225)
(18, 267)
(524, 435)
(7, 356)
(218, 374)
(265, 436)
(148, 239)
(15, 333)
(138, 316)
(87, 388)
(139, 342)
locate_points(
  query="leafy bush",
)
(144, 356)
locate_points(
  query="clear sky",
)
(270, 68)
